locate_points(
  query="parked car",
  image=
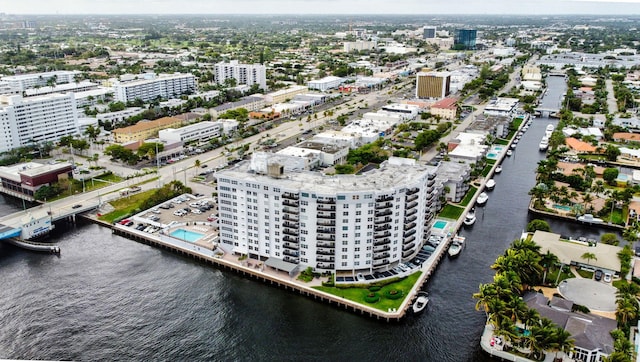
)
(598, 275)
(607, 277)
(76, 206)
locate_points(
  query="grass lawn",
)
(467, 198)
(126, 206)
(501, 141)
(490, 161)
(585, 273)
(357, 294)
(552, 275)
(451, 212)
(486, 170)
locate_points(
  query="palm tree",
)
(586, 199)
(562, 341)
(547, 261)
(588, 257)
(197, 165)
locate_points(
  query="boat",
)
(550, 128)
(490, 184)
(589, 219)
(482, 198)
(470, 218)
(421, 302)
(456, 246)
(498, 169)
(544, 144)
(509, 152)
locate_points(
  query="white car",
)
(196, 211)
(178, 213)
(607, 278)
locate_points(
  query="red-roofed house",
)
(446, 108)
(579, 146)
(626, 137)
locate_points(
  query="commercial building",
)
(343, 224)
(433, 84)
(250, 103)
(23, 82)
(360, 45)
(144, 129)
(119, 116)
(501, 106)
(202, 132)
(465, 39)
(163, 86)
(325, 83)
(248, 74)
(429, 32)
(283, 95)
(25, 121)
(446, 108)
(23, 180)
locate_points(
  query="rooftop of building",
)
(501, 104)
(447, 103)
(32, 169)
(145, 125)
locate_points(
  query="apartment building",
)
(23, 82)
(25, 121)
(433, 84)
(344, 223)
(248, 74)
(164, 86)
(446, 108)
(144, 129)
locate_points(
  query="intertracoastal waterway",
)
(106, 297)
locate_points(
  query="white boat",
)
(544, 144)
(456, 246)
(482, 198)
(490, 184)
(421, 302)
(509, 152)
(589, 219)
(550, 128)
(498, 169)
(470, 218)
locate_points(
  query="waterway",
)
(106, 297)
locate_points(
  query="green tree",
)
(610, 175)
(609, 238)
(612, 152)
(538, 224)
(588, 257)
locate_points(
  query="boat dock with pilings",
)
(208, 256)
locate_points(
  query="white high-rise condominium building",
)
(25, 81)
(24, 121)
(248, 74)
(164, 86)
(345, 223)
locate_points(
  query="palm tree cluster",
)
(627, 315)
(517, 270)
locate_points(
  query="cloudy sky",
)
(624, 7)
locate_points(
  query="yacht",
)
(482, 198)
(456, 246)
(509, 152)
(550, 128)
(470, 218)
(421, 302)
(498, 169)
(589, 219)
(490, 184)
(544, 144)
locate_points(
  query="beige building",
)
(445, 108)
(285, 94)
(144, 129)
(432, 84)
(531, 73)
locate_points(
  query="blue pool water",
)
(187, 235)
(623, 177)
(562, 207)
(492, 156)
(498, 148)
(440, 224)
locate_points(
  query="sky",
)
(521, 7)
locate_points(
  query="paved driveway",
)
(590, 293)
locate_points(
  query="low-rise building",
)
(284, 95)
(468, 147)
(455, 177)
(446, 108)
(501, 106)
(326, 83)
(250, 103)
(23, 180)
(144, 129)
(200, 132)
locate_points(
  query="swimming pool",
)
(622, 177)
(440, 225)
(186, 235)
(492, 156)
(562, 207)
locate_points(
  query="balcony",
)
(410, 218)
(293, 225)
(325, 258)
(323, 207)
(325, 251)
(411, 205)
(386, 205)
(377, 256)
(326, 245)
(290, 210)
(382, 242)
(290, 259)
(408, 246)
(411, 197)
(326, 223)
(291, 246)
(290, 217)
(379, 235)
(382, 220)
(326, 231)
(431, 197)
(329, 215)
(326, 201)
(408, 253)
(379, 263)
(291, 196)
(325, 266)
(293, 253)
(292, 203)
(409, 233)
(382, 228)
(290, 231)
(410, 212)
(383, 213)
(379, 249)
(326, 237)
(384, 198)
(431, 182)
(291, 239)
(412, 191)
(410, 239)
(409, 226)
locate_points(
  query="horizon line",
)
(328, 14)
